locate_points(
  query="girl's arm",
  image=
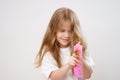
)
(87, 70)
(62, 72)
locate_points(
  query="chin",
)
(65, 45)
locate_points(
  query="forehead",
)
(65, 25)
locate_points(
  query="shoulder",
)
(48, 58)
(47, 55)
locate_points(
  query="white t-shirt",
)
(49, 64)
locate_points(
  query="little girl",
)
(56, 56)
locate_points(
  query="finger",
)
(78, 42)
(74, 55)
(78, 61)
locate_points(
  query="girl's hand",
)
(74, 60)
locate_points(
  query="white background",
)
(23, 24)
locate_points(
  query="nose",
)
(67, 34)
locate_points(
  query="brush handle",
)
(78, 70)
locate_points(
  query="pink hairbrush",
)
(78, 70)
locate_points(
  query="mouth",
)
(65, 40)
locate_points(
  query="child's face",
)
(63, 34)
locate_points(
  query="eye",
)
(62, 30)
(70, 31)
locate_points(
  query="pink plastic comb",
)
(78, 70)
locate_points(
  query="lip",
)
(65, 39)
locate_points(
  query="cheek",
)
(59, 34)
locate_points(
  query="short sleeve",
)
(48, 64)
(90, 61)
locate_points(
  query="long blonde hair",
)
(50, 43)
